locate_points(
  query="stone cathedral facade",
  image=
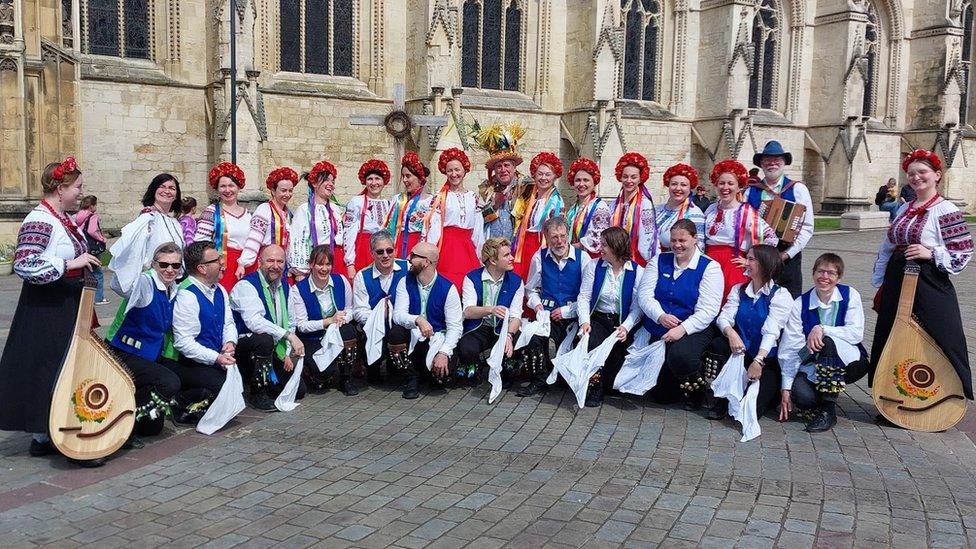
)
(137, 87)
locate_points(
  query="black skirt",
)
(936, 308)
(32, 358)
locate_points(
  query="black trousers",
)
(601, 326)
(557, 333)
(770, 382)
(418, 367)
(791, 277)
(805, 394)
(475, 342)
(682, 362)
(150, 377)
(194, 375)
(347, 331)
(263, 345)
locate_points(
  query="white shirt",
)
(452, 312)
(802, 196)
(542, 210)
(725, 229)
(779, 311)
(793, 343)
(709, 293)
(533, 287)
(245, 299)
(610, 293)
(460, 210)
(142, 292)
(647, 224)
(237, 227)
(491, 289)
(186, 323)
(133, 251)
(44, 247)
(599, 221)
(355, 222)
(300, 243)
(298, 314)
(360, 302)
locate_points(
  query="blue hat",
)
(772, 148)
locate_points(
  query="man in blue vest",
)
(555, 277)
(267, 341)
(773, 159)
(428, 303)
(487, 295)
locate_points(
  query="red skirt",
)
(458, 256)
(636, 255)
(338, 262)
(231, 259)
(526, 249)
(731, 273)
(364, 255)
(412, 240)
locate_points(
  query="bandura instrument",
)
(915, 385)
(93, 405)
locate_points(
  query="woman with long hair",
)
(226, 223)
(365, 214)
(590, 215)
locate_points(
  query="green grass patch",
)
(826, 223)
(971, 219)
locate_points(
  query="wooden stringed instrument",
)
(93, 405)
(915, 385)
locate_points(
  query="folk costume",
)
(370, 287)
(308, 307)
(666, 215)
(227, 231)
(316, 223)
(270, 224)
(455, 226)
(364, 216)
(502, 203)
(202, 325)
(133, 251)
(528, 237)
(637, 214)
(480, 334)
(407, 219)
(590, 215)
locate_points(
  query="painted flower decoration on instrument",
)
(633, 159)
(226, 169)
(683, 170)
(915, 380)
(453, 153)
(68, 165)
(318, 171)
(281, 174)
(586, 165)
(548, 159)
(922, 155)
(733, 167)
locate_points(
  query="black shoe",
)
(823, 421)
(411, 393)
(88, 463)
(718, 411)
(348, 388)
(534, 387)
(593, 399)
(133, 443)
(261, 401)
(41, 449)
(691, 404)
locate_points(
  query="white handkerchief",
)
(539, 327)
(567, 343)
(375, 329)
(495, 360)
(641, 368)
(286, 400)
(331, 347)
(749, 418)
(731, 383)
(226, 406)
(436, 342)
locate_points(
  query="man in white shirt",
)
(429, 305)
(267, 340)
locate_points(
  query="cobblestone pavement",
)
(448, 470)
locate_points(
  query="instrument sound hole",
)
(96, 396)
(921, 376)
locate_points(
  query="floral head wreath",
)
(227, 169)
(733, 167)
(68, 165)
(633, 159)
(453, 153)
(682, 169)
(372, 166)
(586, 165)
(280, 174)
(317, 170)
(921, 154)
(548, 159)
(412, 162)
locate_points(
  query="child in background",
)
(188, 218)
(88, 221)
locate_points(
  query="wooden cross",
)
(398, 124)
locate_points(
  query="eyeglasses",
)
(383, 251)
(174, 266)
(214, 260)
(825, 272)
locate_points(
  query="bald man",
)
(429, 303)
(267, 342)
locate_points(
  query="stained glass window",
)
(137, 29)
(642, 25)
(491, 44)
(290, 15)
(329, 41)
(342, 38)
(317, 36)
(103, 27)
(513, 49)
(765, 43)
(469, 43)
(966, 62)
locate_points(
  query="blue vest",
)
(751, 316)
(677, 297)
(560, 287)
(211, 318)
(811, 317)
(254, 279)
(510, 285)
(754, 194)
(312, 306)
(435, 301)
(630, 279)
(143, 328)
(373, 288)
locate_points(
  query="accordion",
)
(784, 217)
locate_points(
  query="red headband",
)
(682, 169)
(926, 156)
(280, 174)
(633, 159)
(584, 164)
(318, 168)
(733, 167)
(548, 159)
(453, 153)
(227, 169)
(68, 165)
(412, 162)
(374, 166)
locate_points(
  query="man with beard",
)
(429, 304)
(502, 196)
(260, 305)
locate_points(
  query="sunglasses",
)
(383, 251)
(413, 255)
(165, 265)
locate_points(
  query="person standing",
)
(317, 221)
(887, 200)
(408, 215)
(544, 203)
(188, 219)
(91, 226)
(681, 180)
(502, 196)
(365, 214)
(590, 216)
(454, 224)
(634, 208)
(226, 223)
(271, 221)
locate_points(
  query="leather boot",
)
(258, 395)
(346, 361)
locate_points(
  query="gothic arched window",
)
(316, 36)
(115, 32)
(642, 48)
(967, 20)
(872, 40)
(491, 44)
(765, 43)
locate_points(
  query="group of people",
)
(422, 286)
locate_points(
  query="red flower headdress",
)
(412, 162)
(280, 174)
(228, 169)
(548, 159)
(633, 159)
(68, 165)
(584, 164)
(926, 156)
(453, 153)
(733, 167)
(682, 169)
(318, 168)
(374, 166)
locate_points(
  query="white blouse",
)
(298, 313)
(666, 218)
(610, 293)
(44, 247)
(260, 233)
(237, 227)
(647, 232)
(589, 241)
(133, 251)
(355, 222)
(328, 229)
(779, 311)
(543, 210)
(747, 218)
(460, 210)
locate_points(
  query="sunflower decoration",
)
(500, 141)
(91, 401)
(915, 380)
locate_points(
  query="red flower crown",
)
(412, 162)
(68, 165)
(228, 169)
(733, 167)
(923, 155)
(374, 166)
(280, 174)
(681, 169)
(584, 164)
(633, 159)
(548, 159)
(318, 168)
(453, 153)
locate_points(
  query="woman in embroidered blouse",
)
(544, 203)
(408, 215)
(731, 226)
(455, 225)
(365, 214)
(590, 216)
(318, 221)
(634, 208)
(932, 232)
(271, 220)
(226, 223)
(680, 180)
(50, 258)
